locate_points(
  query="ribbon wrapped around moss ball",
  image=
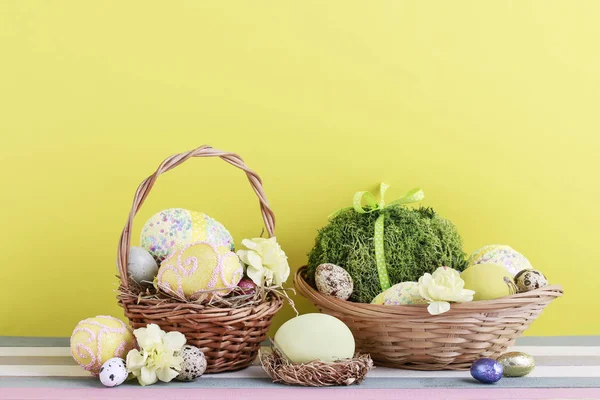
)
(372, 205)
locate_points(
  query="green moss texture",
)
(416, 241)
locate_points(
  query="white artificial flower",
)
(266, 262)
(442, 287)
(158, 357)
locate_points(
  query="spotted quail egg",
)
(193, 365)
(334, 281)
(530, 279)
(113, 372)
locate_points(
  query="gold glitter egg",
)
(516, 363)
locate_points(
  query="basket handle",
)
(170, 163)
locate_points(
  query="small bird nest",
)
(315, 373)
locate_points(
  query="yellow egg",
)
(315, 336)
(95, 340)
(200, 268)
(489, 281)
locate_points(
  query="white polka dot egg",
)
(193, 365)
(113, 372)
(333, 280)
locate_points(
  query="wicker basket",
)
(229, 337)
(409, 337)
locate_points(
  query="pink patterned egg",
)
(199, 270)
(96, 340)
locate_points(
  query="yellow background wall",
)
(490, 106)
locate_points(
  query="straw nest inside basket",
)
(238, 298)
(315, 373)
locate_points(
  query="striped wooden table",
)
(567, 368)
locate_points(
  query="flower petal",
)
(256, 275)
(284, 273)
(243, 255)
(147, 377)
(249, 244)
(135, 360)
(174, 341)
(438, 307)
(254, 259)
(149, 337)
(166, 374)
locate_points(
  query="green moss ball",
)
(416, 241)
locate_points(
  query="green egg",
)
(315, 336)
(489, 281)
(516, 363)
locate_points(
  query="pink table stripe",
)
(293, 393)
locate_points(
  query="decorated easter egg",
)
(113, 372)
(403, 293)
(200, 268)
(315, 336)
(489, 281)
(334, 281)
(487, 370)
(175, 227)
(96, 340)
(141, 265)
(516, 363)
(193, 365)
(247, 286)
(530, 279)
(503, 255)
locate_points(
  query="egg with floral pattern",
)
(175, 227)
(403, 293)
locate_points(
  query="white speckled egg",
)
(113, 372)
(403, 293)
(193, 365)
(530, 279)
(334, 281)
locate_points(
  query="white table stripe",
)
(579, 351)
(35, 352)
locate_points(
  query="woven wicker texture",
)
(409, 337)
(229, 337)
